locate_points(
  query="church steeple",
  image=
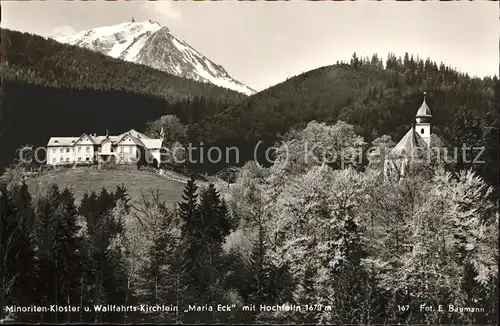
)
(424, 111)
(423, 122)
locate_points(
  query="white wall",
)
(105, 147)
(155, 153)
(84, 150)
(424, 130)
(126, 153)
(60, 155)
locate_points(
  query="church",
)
(415, 141)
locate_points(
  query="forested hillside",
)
(52, 89)
(377, 98)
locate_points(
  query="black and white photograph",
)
(249, 162)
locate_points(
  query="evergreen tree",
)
(187, 208)
(215, 224)
(214, 216)
(106, 276)
(25, 289)
(192, 246)
(122, 194)
(355, 61)
(406, 61)
(59, 251)
(9, 252)
(491, 155)
(391, 62)
(467, 134)
(163, 270)
(260, 270)
(205, 227)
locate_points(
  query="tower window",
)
(422, 130)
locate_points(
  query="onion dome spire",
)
(424, 111)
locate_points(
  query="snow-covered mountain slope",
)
(152, 44)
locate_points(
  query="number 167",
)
(403, 308)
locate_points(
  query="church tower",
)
(423, 122)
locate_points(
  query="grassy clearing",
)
(84, 180)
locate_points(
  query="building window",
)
(62, 159)
(54, 150)
(67, 159)
(130, 150)
(79, 159)
(88, 149)
(54, 160)
(422, 130)
(79, 149)
(62, 150)
(67, 150)
(87, 159)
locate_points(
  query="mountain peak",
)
(164, 29)
(152, 44)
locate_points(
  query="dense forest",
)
(376, 98)
(345, 246)
(52, 89)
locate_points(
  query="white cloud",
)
(166, 9)
(63, 30)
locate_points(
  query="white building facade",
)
(126, 148)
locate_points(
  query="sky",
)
(263, 43)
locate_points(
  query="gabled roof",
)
(99, 139)
(134, 133)
(134, 139)
(408, 145)
(424, 110)
(62, 141)
(89, 137)
(137, 137)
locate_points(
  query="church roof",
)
(424, 110)
(407, 145)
